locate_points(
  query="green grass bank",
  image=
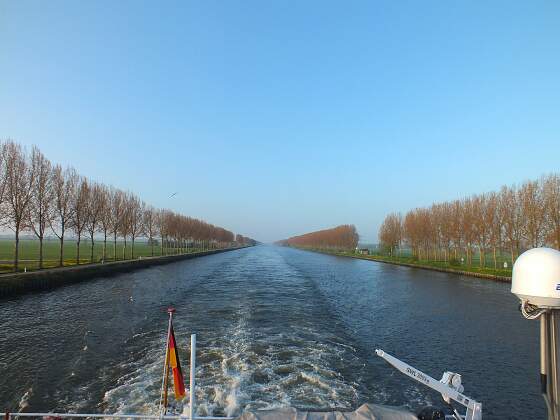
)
(29, 253)
(501, 274)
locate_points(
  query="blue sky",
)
(274, 118)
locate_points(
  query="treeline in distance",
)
(344, 237)
(39, 197)
(513, 219)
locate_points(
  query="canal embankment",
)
(14, 284)
(420, 265)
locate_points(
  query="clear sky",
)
(273, 118)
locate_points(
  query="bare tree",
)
(552, 206)
(116, 214)
(19, 185)
(3, 172)
(533, 213)
(95, 209)
(134, 209)
(125, 225)
(512, 218)
(344, 237)
(444, 214)
(390, 233)
(149, 224)
(79, 212)
(34, 195)
(516, 218)
(483, 218)
(495, 225)
(457, 236)
(41, 209)
(468, 227)
(105, 217)
(162, 222)
(64, 184)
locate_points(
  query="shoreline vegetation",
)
(343, 241)
(15, 284)
(479, 229)
(40, 199)
(503, 275)
(340, 237)
(30, 263)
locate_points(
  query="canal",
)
(276, 326)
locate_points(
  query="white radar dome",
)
(536, 277)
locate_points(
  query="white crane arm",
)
(474, 409)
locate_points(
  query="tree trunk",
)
(61, 253)
(105, 246)
(124, 249)
(495, 259)
(132, 249)
(78, 251)
(40, 253)
(91, 254)
(16, 250)
(512, 258)
(115, 247)
(152, 241)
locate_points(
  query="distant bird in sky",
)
(173, 194)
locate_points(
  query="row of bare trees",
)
(344, 237)
(513, 219)
(39, 197)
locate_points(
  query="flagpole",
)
(164, 387)
(192, 393)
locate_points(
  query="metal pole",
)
(163, 398)
(546, 372)
(192, 379)
(115, 416)
(545, 376)
(554, 364)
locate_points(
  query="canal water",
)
(276, 326)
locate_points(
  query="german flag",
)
(173, 362)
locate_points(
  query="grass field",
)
(29, 252)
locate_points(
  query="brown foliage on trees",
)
(512, 219)
(391, 232)
(344, 237)
(35, 195)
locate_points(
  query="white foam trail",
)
(24, 401)
(242, 366)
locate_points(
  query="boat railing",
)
(13, 416)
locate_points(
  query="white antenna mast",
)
(536, 282)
